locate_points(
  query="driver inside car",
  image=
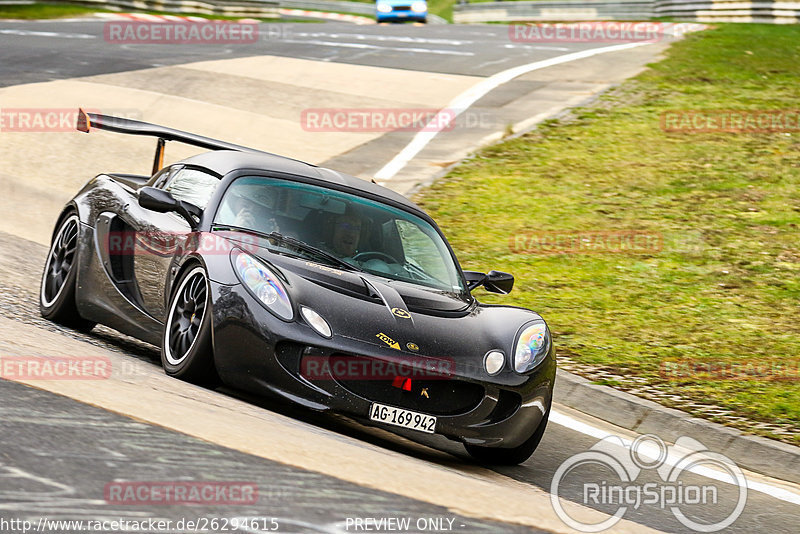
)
(346, 241)
(346, 235)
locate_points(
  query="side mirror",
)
(494, 281)
(154, 199)
(499, 282)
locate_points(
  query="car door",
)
(159, 235)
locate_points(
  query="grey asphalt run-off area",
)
(57, 455)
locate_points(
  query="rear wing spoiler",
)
(87, 121)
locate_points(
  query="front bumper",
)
(257, 352)
(399, 16)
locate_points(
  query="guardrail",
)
(565, 10)
(356, 8)
(240, 8)
(229, 8)
(728, 11)
(580, 10)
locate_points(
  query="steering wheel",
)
(365, 256)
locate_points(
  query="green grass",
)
(724, 289)
(443, 8)
(44, 11)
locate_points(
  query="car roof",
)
(223, 162)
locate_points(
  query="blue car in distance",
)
(399, 10)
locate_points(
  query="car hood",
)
(371, 288)
(397, 316)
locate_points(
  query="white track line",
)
(385, 38)
(595, 432)
(28, 33)
(463, 101)
(364, 46)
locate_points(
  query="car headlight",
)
(263, 283)
(532, 347)
(316, 321)
(384, 8)
(419, 7)
(494, 362)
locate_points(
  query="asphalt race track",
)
(62, 444)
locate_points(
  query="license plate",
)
(401, 417)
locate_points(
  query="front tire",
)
(186, 351)
(57, 291)
(512, 456)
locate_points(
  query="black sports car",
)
(279, 277)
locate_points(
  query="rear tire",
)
(186, 351)
(57, 290)
(511, 456)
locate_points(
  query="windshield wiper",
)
(311, 249)
(224, 227)
(292, 242)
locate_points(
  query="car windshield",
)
(365, 234)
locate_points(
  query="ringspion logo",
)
(621, 475)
